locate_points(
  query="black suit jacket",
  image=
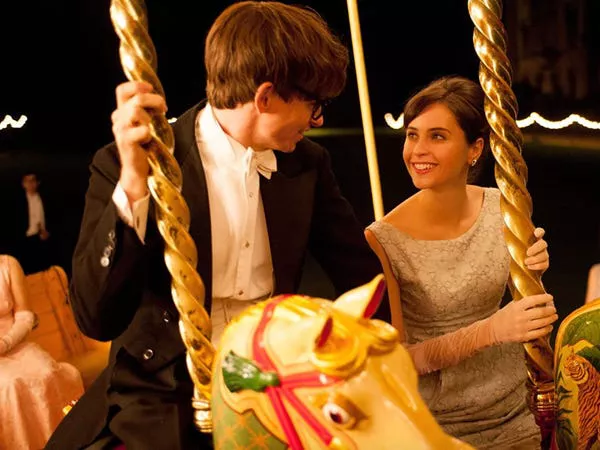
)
(15, 219)
(21, 215)
(33, 256)
(16, 222)
(20, 209)
(129, 301)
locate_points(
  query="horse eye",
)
(337, 415)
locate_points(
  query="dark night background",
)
(72, 63)
(59, 66)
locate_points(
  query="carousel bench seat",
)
(56, 330)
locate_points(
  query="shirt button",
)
(247, 244)
(166, 317)
(251, 194)
(104, 261)
(240, 292)
(148, 354)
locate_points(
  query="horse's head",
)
(306, 373)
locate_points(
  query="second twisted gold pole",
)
(506, 140)
(138, 58)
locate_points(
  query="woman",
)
(593, 284)
(33, 387)
(447, 265)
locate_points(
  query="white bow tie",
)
(266, 163)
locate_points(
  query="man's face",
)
(285, 124)
(30, 184)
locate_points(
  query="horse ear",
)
(363, 301)
(324, 332)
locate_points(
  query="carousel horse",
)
(577, 363)
(307, 373)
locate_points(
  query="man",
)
(33, 237)
(254, 214)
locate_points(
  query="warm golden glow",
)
(138, 58)
(506, 139)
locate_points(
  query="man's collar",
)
(211, 131)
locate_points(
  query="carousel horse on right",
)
(564, 382)
(577, 378)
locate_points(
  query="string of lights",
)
(8, 121)
(534, 117)
(398, 123)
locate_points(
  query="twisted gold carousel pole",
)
(495, 76)
(365, 108)
(138, 58)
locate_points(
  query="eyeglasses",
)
(319, 106)
(319, 109)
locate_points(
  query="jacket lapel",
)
(288, 202)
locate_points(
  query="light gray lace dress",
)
(449, 284)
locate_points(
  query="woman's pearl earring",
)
(473, 162)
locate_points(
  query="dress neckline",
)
(464, 235)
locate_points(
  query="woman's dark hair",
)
(464, 98)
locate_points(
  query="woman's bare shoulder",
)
(401, 214)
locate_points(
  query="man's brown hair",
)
(253, 42)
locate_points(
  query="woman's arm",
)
(391, 282)
(17, 284)
(24, 318)
(593, 284)
(452, 348)
(519, 321)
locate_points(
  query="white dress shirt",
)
(241, 256)
(242, 267)
(37, 220)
